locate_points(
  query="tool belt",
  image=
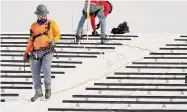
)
(47, 50)
(44, 48)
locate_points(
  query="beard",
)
(42, 20)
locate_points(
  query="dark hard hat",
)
(41, 10)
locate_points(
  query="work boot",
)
(47, 93)
(104, 41)
(36, 96)
(77, 38)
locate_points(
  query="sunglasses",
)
(41, 17)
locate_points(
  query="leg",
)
(81, 24)
(102, 22)
(46, 68)
(36, 69)
(93, 8)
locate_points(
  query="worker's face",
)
(41, 18)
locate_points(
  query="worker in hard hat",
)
(44, 34)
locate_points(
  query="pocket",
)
(35, 55)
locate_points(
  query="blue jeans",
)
(100, 15)
(45, 66)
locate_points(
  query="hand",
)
(95, 33)
(26, 56)
(97, 26)
(52, 43)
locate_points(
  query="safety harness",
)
(40, 34)
(48, 49)
(101, 8)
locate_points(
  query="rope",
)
(88, 16)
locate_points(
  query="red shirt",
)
(96, 2)
(106, 11)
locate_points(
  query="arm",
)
(56, 32)
(106, 13)
(92, 19)
(29, 46)
(30, 43)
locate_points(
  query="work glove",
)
(26, 56)
(95, 33)
(98, 26)
(52, 43)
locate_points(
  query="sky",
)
(146, 16)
